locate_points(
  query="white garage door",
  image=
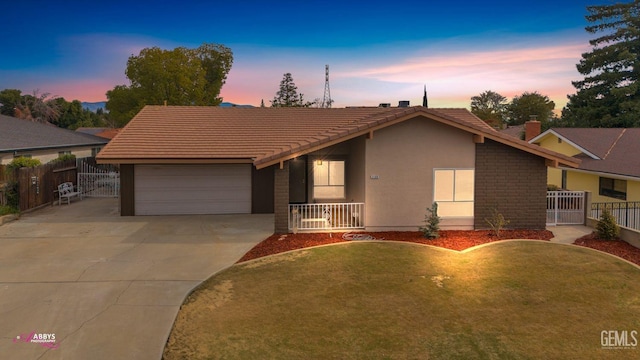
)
(192, 189)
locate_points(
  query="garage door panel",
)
(192, 189)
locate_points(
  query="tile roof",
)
(269, 135)
(618, 149)
(19, 134)
(517, 131)
(108, 133)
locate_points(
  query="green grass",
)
(512, 300)
(5, 210)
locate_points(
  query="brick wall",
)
(512, 181)
(281, 199)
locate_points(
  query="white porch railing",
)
(335, 216)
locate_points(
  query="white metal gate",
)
(97, 182)
(565, 207)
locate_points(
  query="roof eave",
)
(148, 160)
(565, 139)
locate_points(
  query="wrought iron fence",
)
(627, 213)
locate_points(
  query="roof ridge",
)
(624, 130)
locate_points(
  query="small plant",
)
(607, 227)
(432, 223)
(497, 222)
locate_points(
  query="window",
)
(454, 192)
(614, 188)
(328, 179)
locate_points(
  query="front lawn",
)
(386, 300)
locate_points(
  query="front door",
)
(298, 180)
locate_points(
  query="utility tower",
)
(326, 99)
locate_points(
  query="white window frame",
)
(327, 162)
(454, 196)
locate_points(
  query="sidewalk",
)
(567, 234)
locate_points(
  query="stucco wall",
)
(580, 181)
(400, 160)
(554, 177)
(551, 142)
(511, 181)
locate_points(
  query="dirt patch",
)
(269, 260)
(616, 247)
(450, 239)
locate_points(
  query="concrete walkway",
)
(106, 286)
(567, 234)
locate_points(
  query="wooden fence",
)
(39, 185)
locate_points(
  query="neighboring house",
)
(385, 166)
(517, 131)
(610, 161)
(107, 133)
(44, 142)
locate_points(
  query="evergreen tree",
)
(609, 95)
(288, 95)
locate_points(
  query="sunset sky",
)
(377, 51)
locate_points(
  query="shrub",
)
(13, 195)
(497, 221)
(5, 209)
(13, 191)
(21, 162)
(607, 227)
(64, 157)
(432, 221)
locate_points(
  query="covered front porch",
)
(324, 190)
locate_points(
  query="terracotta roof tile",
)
(268, 134)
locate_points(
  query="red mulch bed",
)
(615, 247)
(450, 239)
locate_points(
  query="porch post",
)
(281, 199)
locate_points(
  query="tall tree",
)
(490, 107)
(180, 76)
(522, 108)
(288, 95)
(9, 100)
(609, 95)
(38, 107)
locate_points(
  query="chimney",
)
(532, 128)
(403, 103)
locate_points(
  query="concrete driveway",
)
(106, 286)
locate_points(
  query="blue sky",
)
(377, 51)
